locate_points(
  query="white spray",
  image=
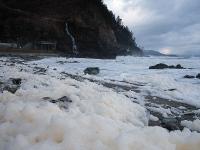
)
(74, 46)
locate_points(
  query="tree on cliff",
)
(123, 34)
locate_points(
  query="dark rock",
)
(39, 70)
(1, 87)
(170, 124)
(159, 66)
(198, 76)
(171, 67)
(92, 70)
(74, 62)
(12, 85)
(53, 101)
(47, 98)
(179, 66)
(171, 89)
(64, 62)
(16, 81)
(64, 99)
(11, 65)
(164, 66)
(189, 77)
(11, 89)
(62, 102)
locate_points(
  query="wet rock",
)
(179, 66)
(64, 99)
(170, 124)
(11, 65)
(16, 81)
(164, 66)
(92, 70)
(11, 85)
(11, 89)
(39, 70)
(62, 102)
(192, 77)
(159, 66)
(53, 101)
(171, 90)
(1, 87)
(47, 98)
(64, 62)
(189, 77)
(198, 76)
(179, 112)
(171, 67)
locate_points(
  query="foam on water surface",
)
(97, 119)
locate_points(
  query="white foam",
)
(193, 125)
(98, 118)
(135, 69)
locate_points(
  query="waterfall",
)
(74, 46)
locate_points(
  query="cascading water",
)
(74, 46)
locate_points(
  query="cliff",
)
(84, 28)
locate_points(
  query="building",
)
(45, 45)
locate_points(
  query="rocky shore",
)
(178, 111)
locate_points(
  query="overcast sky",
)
(169, 26)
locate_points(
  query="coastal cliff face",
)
(84, 28)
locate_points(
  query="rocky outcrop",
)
(198, 76)
(79, 27)
(164, 66)
(192, 77)
(92, 70)
(189, 77)
(11, 85)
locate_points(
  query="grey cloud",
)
(167, 23)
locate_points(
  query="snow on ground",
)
(98, 118)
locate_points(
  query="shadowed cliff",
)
(84, 28)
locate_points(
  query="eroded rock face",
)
(26, 23)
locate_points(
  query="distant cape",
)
(156, 53)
